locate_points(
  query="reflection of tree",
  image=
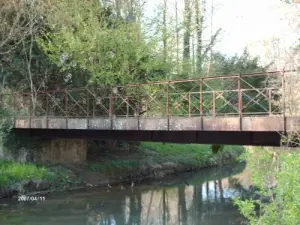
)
(118, 215)
(207, 191)
(182, 204)
(235, 183)
(135, 210)
(197, 203)
(221, 190)
(139, 209)
(164, 206)
(149, 208)
(216, 191)
(157, 209)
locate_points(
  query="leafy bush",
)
(284, 207)
(16, 172)
(10, 141)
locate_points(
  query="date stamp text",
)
(25, 198)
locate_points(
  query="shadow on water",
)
(187, 199)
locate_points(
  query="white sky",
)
(248, 23)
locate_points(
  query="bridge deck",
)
(253, 124)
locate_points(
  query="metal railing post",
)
(190, 109)
(66, 108)
(88, 104)
(127, 106)
(30, 109)
(94, 106)
(47, 112)
(139, 105)
(168, 104)
(201, 102)
(214, 104)
(240, 102)
(14, 107)
(270, 102)
(111, 108)
(283, 95)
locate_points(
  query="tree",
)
(275, 172)
(19, 19)
(223, 65)
(113, 53)
(187, 36)
(199, 29)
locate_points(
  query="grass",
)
(191, 155)
(15, 173)
(113, 167)
(12, 172)
(194, 154)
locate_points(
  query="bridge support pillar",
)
(63, 151)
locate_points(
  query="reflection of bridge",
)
(232, 109)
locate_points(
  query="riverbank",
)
(150, 202)
(113, 168)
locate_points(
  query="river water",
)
(191, 198)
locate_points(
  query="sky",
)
(248, 23)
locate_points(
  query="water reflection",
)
(206, 200)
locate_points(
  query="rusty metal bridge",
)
(245, 109)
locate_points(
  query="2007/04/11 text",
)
(24, 198)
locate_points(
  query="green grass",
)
(14, 175)
(11, 172)
(191, 155)
(113, 167)
(194, 154)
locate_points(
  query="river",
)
(191, 198)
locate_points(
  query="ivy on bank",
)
(12, 143)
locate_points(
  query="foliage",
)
(188, 155)
(115, 167)
(12, 142)
(45, 74)
(12, 172)
(243, 64)
(194, 154)
(83, 34)
(284, 208)
(19, 19)
(215, 148)
(16, 176)
(223, 65)
(61, 177)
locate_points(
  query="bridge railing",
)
(231, 95)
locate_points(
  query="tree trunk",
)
(177, 38)
(199, 29)
(164, 33)
(182, 203)
(118, 7)
(187, 36)
(211, 35)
